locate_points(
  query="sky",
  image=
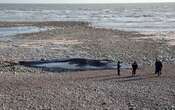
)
(83, 1)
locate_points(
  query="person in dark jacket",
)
(158, 67)
(118, 68)
(134, 68)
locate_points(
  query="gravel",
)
(25, 88)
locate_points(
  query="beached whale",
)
(71, 64)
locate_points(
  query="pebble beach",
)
(34, 89)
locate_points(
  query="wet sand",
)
(28, 88)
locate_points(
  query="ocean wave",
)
(106, 16)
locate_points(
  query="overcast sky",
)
(82, 1)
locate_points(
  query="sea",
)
(148, 17)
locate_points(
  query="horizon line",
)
(95, 3)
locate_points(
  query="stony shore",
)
(77, 39)
(33, 89)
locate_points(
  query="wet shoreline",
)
(80, 40)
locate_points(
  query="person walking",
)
(118, 68)
(134, 68)
(158, 67)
